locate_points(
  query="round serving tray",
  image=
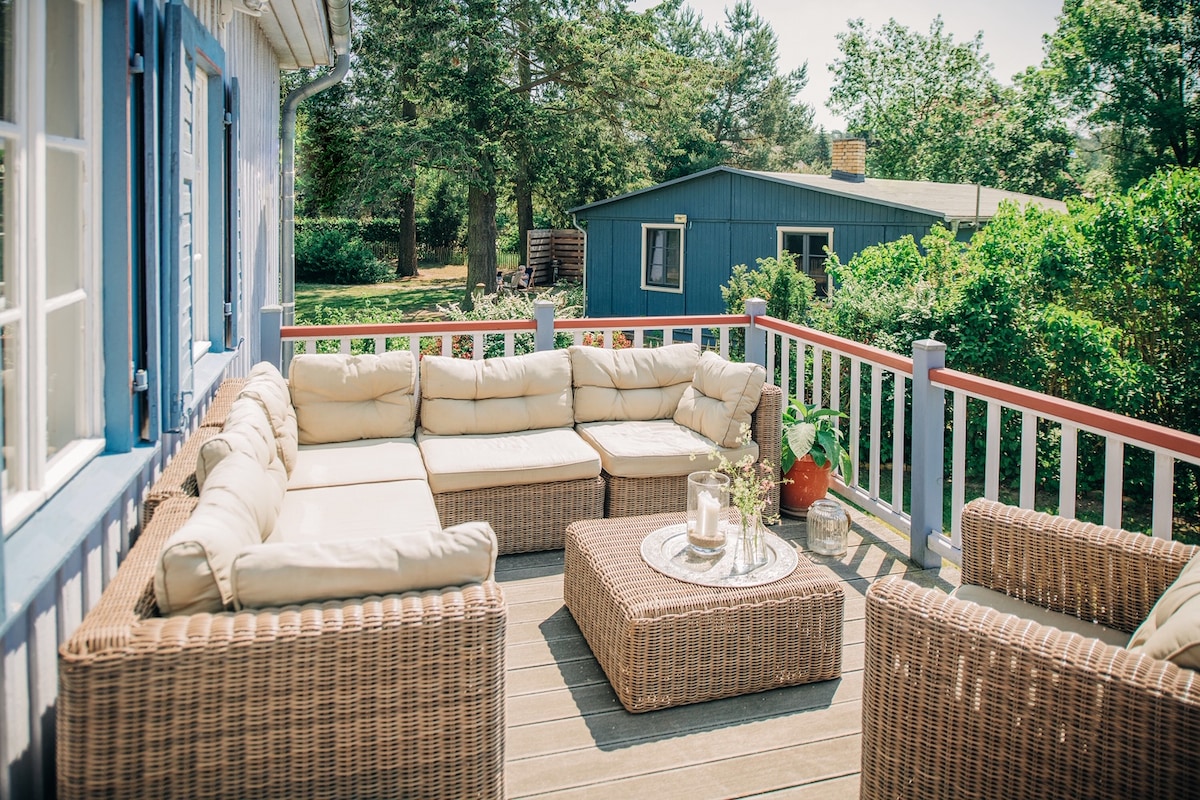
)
(667, 551)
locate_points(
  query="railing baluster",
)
(771, 337)
(1114, 480)
(477, 347)
(958, 470)
(639, 337)
(723, 332)
(876, 426)
(344, 346)
(310, 345)
(1028, 458)
(991, 471)
(1066, 471)
(447, 345)
(785, 383)
(1164, 495)
(818, 375)
(510, 341)
(855, 416)
(801, 358)
(380, 344)
(835, 386)
(897, 442)
(698, 337)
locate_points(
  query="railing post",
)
(928, 451)
(756, 337)
(269, 341)
(543, 316)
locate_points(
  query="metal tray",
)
(667, 551)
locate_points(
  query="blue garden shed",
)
(667, 249)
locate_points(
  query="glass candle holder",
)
(707, 500)
(828, 528)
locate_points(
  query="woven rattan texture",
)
(629, 497)
(178, 478)
(960, 701)
(1088, 571)
(396, 696)
(228, 391)
(527, 517)
(663, 642)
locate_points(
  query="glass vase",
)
(752, 542)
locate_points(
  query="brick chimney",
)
(850, 160)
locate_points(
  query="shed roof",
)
(964, 202)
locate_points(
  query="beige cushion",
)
(362, 461)
(281, 574)
(355, 511)
(639, 383)
(340, 398)
(1172, 631)
(238, 507)
(457, 463)
(266, 386)
(496, 395)
(1001, 602)
(247, 430)
(721, 398)
(654, 448)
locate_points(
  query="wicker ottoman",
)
(664, 642)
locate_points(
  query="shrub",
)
(328, 255)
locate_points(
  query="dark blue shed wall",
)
(732, 219)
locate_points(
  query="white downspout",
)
(575, 225)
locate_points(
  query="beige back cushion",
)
(342, 398)
(266, 386)
(721, 399)
(496, 395)
(238, 508)
(246, 430)
(282, 574)
(634, 384)
(1172, 631)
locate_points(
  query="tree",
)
(1133, 67)
(931, 110)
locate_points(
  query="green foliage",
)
(568, 304)
(326, 254)
(812, 431)
(788, 292)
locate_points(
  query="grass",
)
(416, 298)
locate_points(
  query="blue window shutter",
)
(233, 231)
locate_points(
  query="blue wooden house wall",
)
(732, 219)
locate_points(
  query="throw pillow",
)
(343, 398)
(1172, 631)
(721, 398)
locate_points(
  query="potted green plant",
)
(812, 446)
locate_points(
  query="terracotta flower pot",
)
(809, 483)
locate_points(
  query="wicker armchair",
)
(396, 696)
(965, 702)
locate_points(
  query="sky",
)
(807, 30)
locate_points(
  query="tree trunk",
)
(523, 192)
(406, 263)
(481, 241)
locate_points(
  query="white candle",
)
(709, 508)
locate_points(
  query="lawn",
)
(415, 298)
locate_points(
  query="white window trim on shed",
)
(783, 230)
(646, 228)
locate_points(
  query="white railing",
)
(907, 448)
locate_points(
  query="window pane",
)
(64, 223)
(64, 377)
(8, 65)
(63, 75)
(662, 257)
(7, 239)
(13, 452)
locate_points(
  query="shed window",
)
(662, 257)
(810, 248)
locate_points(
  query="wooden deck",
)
(569, 737)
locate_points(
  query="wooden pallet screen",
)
(565, 245)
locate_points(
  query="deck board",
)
(569, 737)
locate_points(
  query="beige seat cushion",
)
(247, 430)
(282, 574)
(639, 383)
(1172, 630)
(457, 463)
(1001, 602)
(361, 461)
(340, 397)
(721, 398)
(654, 448)
(355, 511)
(269, 389)
(496, 395)
(239, 507)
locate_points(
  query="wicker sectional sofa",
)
(272, 678)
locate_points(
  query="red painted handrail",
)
(829, 341)
(291, 332)
(653, 323)
(1129, 428)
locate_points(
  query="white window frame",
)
(783, 230)
(38, 475)
(649, 226)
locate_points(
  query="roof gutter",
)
(339, 28)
